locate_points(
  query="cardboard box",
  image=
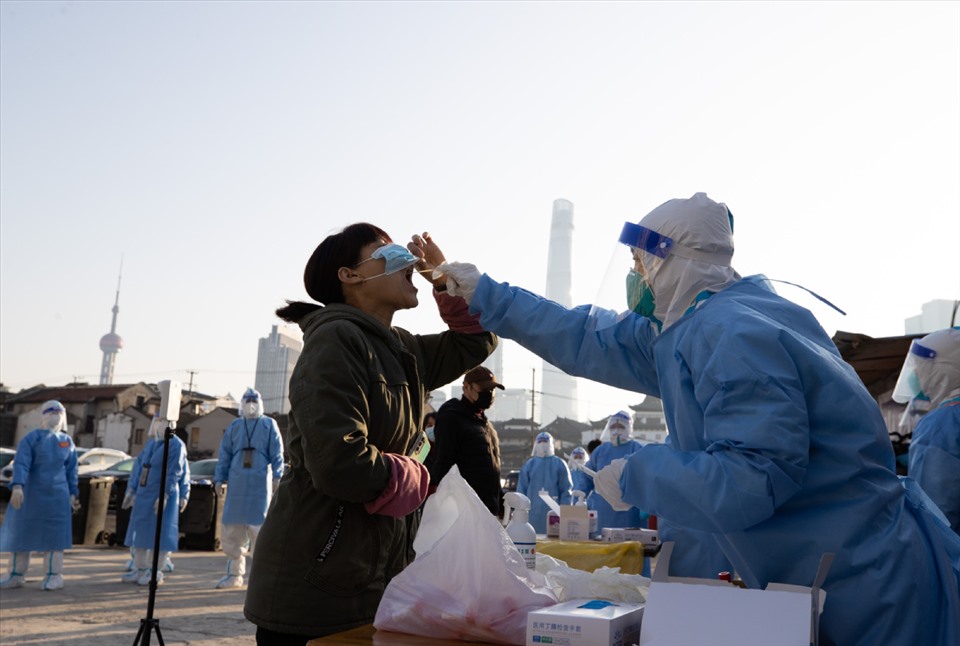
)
(780, 615)
(649, 537)
(574, 523)
(553, 523)
(585, 622)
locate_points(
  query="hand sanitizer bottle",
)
(519, 529)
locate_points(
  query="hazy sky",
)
(214, 144)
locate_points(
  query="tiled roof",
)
(68, 394)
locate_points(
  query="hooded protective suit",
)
(777, 452)
(618, 443)
(544, 470)
(39, 516)
(145, 489)
(934, 455)
(251, 463)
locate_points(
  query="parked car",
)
(6, 471)
(203, 470)
(98, 459)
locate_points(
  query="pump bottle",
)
(519, 529)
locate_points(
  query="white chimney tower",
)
(558, 389)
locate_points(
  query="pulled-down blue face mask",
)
(397, 258)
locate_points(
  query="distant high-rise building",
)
(935, 315)
(276, 357)
(111, 343)
(558, 389)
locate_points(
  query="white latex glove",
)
(462, 278)
(75, 504)
(183, 504)
(128, 499)
(607, 484)
(16, 497)
(221, 489)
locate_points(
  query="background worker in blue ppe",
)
(777, 452)
(931, 372)
(143, 495)
(250, 467)
(544, 470)
(617, 442)
(578, 458)
(43, 496)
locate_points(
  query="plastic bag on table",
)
(468, 581)
(603, 583)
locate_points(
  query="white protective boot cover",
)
(53, 561)
(19, 564)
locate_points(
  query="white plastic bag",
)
(468, 581)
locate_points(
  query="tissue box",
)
(585, 622)
(780, 615)
(574, 523)
(649, 537)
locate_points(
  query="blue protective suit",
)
(143, 517)
(551, 473)
(779, 453)
(249, 488)
(606, 516)
(935, 458)
(46, 467)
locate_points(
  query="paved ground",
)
(94, 607)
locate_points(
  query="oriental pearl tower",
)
(111, 343)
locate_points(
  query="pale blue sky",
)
(214, 144)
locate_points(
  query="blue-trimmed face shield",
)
(53, 416)
(644, 239)
(908, 384)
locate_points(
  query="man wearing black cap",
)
(465, 438)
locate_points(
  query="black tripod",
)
(150, 624)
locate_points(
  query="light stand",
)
(149, 624)
(170, 392)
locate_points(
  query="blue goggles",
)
(53, 409)
(397, 257)
(649, 240)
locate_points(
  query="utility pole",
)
(190, 387)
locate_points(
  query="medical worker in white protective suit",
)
(931, 372)
(43, 497)
(578, 458)
(143, 495)
(544, 470)
(250, 466)
(777, 453)
(617, 442)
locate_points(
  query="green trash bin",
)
(88, 523)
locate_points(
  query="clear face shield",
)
(157, 426)
(578, 458)
(918, 362)
(619, 429)
(624, 289)
(543, 446)
(53, 417)
(252, 408)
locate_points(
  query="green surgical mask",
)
(640, 297)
